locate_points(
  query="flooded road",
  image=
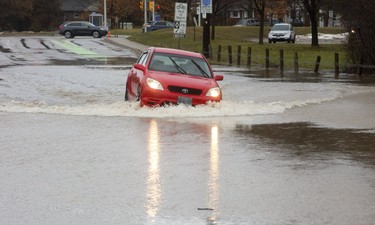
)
(291, 150)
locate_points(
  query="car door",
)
(136, 75)
(74, 27)
(85, 29)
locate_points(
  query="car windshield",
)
(180, 64)
(283, 27)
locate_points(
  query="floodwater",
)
(276, 150)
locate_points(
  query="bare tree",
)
(359, 16)
(312, 7)
(15, 14)
(45, 15)
(260, 6)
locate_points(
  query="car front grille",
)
(183, 90)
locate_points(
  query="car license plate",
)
(184, 100)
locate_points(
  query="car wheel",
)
(269, 41)
(294, 40)
(126, 95)
(139, 94)
(96, 34)
(68, 34)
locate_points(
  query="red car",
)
(164, 76)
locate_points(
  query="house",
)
(238, 11)
(81, 9)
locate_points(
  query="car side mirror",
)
(218, 77)
(139, 67)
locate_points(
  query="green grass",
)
(244, 37)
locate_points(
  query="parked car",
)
(157, 25)
(247, 22)
(282, 32)
(81, 28)
(273, 22)
(296, 22)
(164, 76)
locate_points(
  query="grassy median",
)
(245, 37)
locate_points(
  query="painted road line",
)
(68, 45)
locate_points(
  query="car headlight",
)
(214, 92)
(154, 84)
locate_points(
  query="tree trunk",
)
(261, 29)
(212, 26)
(314, 31)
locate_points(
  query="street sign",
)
(206, 6)
(179, 28)
(180, 13)
(180, 16)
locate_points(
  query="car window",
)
(180, 64)
(281, 27)
(73, 24)
(143, 58)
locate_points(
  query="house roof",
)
(80, 5)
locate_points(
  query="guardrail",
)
(228, 52)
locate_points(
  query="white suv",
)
(282, 32)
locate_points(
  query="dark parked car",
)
(296, 22)
(81, 28)
(157, 25)
(273, 22)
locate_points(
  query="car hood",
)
(182, 80)
(279, 32)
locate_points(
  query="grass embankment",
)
(245, 37)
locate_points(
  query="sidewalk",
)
(121, 40)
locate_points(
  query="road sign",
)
(180, 12)
(179, 28)
(206, 6)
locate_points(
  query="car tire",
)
(96, 34)
(68, 34)
(269, 41)
(126, 98)
(139, 94)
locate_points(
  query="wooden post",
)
(317, 64)
(267, 58)
(210, 51)
(219, 53)
(230, 54)
(337, 67)
(249, 56)
(296, 63)
(238, 55)
(282, 61)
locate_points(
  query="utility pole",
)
(206, 36)
(145, 8)
(206, 10)
(105, 14)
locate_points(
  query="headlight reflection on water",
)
(213, 183)
(153, 180)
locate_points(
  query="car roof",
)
(283, 24)
(176, 51)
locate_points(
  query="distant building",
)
(80, 9)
